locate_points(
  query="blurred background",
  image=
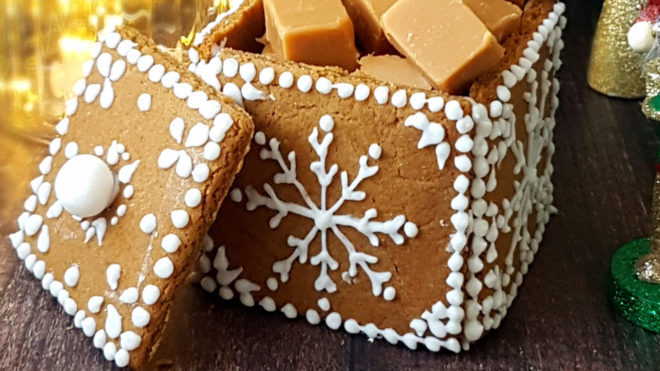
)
(43, 45)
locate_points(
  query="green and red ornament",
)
(635, 270)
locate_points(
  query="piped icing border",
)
(457, 321)
(117, 342)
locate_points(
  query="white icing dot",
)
(112, 322)
(128, 191)
(208, 284)
(144, 102)
(286, 80)
(129, 296)
(381, 94)
(272, 284)
(156, 73)
(289, 311)
(198, 135)
(182, 90)
(23, 250)
(375, 151)
(333, 320)
(180, 218)
(39, 269)
(71, 150)
(196, 99)
(124, 47)
(312, 317)
(79, 87)
(150, 294)
(144, 63)
(126, 172)
(99, 339)
(193, 197)
(118, 69)
(176, 129)
(323, 86)
(410, 229)
(43, 193)
(304, 83)
(344, 90)
(211, 151)
(71, 106)
(109, 351)
(71, 276)
(122, 358)
(88, 325)
(30, 260)
(200, 173)
(164, 268)
(94, 304)
(33, 224)
(260, 138)
(453, 110)
(324, 304)
(148, 223)
(362, 92)
(236, 195)
(140, 317)
(170, 243)
(31, 203)
(268, 304)
(266, 76)
(230, 67)
(169, 79)
(107, 95)
(326, 123)
(103, 64)
(46, 165)
(389, 293)
(399, 99)
(247, 72)
(62, 127)
(121, 210)
(112, 274)
(210, 108)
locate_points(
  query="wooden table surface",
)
(560, 320)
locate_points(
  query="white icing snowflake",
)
(325, 215)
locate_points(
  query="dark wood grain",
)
(561, 319)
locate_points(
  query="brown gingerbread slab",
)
(403, 214)
(133, 179)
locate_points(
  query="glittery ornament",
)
(614, 68)
(636, 300)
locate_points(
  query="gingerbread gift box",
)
(132, 180)
(375, 207)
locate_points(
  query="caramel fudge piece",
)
(500, 16)
(237, 28)
(395, 69)
(313, 32)
(462, 47)
(366, 20)
(130, 184)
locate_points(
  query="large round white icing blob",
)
(85, 186)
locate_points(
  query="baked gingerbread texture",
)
(171, 147)
(408, 215)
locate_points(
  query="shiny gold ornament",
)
(614, 68)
